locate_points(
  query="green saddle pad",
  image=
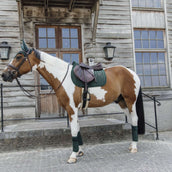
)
(100, 78)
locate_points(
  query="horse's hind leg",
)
(133, 119)
(134, 123)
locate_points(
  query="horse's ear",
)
(24, 47)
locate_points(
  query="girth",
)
(86, 76)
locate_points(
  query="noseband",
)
(26, 54)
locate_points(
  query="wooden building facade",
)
(141, 31)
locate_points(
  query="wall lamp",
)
(109, 51)
(4, 50)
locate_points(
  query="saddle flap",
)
(100, 78)
(85, 75)
(96, 67)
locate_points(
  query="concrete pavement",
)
(55, 133)
(153, 156)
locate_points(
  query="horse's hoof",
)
(133, 150)
(80, 153)
(71, 160)
(130, 147)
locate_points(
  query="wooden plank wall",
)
(158, 20)
(9, 31)
(148, 19)
(169, 25)
(114, 25)
(56, 16)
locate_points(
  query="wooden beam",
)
(20, 15)
(71, 5)
(46, 7)
(96, 15)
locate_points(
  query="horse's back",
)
(122, 75)
(123, 80)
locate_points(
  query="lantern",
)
(109, 51)
(4, 50)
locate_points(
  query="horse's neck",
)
(52, 68)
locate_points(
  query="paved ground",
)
(59, 124)
(153, 156)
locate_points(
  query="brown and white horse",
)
(122, 86)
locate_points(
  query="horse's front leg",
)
(76, 138)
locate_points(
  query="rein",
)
(28, 94)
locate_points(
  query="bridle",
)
(26, 54)
(26, 58)
(26, 92)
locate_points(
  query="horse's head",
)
(21, 64)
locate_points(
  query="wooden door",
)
(59, 41)
(48, 101)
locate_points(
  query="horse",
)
(122, 86)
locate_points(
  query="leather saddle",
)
(86, 74)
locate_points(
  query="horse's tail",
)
(140, 113)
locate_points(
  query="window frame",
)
(58, 50)
(147, 8)
(58, 39)
(79, 38)
(151, 39)
(154, 50)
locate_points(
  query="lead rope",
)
(28, 94)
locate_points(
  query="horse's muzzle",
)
(8, 76)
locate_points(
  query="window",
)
(149, 39)
(59, 41)
(147, 3)
(69, 38)
(70, 57)
(150, 55)
(46, 38)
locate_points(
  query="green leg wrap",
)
(75, 144)
(135, 133)
(80, 142)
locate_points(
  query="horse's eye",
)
(18, 57)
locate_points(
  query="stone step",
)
(55, 133)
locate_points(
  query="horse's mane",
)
(49, 59)
(37, 53)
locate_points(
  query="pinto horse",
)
(122, 86)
